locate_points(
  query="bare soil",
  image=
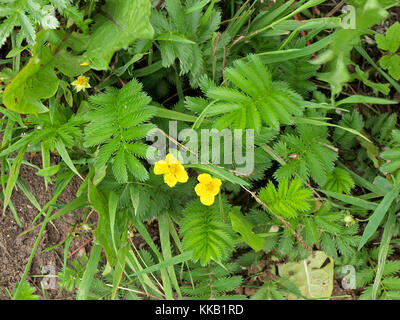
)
(15, 248)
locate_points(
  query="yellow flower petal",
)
(204, 178)
(81, 83)
(201, 189)
(181, 174)
(160, 167)
(170, 179)
(216, 185)
(208, 188)
(207, 200)
(172, 170)
(171, 159)
(217, 182)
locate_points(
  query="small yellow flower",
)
(81, 83)
(348, 219)
(207, 189)
(172, 170)
(84, 63)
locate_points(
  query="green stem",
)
(16, 58)
(383, 73)
(178, 84)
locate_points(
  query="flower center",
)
(210, 187)
(172, 168)
(81, 81)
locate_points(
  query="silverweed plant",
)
(92, 87)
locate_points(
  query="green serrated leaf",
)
(120, 23)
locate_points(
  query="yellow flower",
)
(81, 83)
(172, 170)
(207, 189)
(84, 63)
(348, 219)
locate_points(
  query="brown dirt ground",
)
(15, 249)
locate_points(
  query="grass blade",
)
(25, 189)
(65, 156)
(164, 274)
(112, 207)
(365, 99)
(170, 262)
(351, 200)
(378, 216)
(383, 251)
(163, 225)
(91, 269)
(13, 176)
(173, 115)
(119, 269)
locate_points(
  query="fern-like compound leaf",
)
(392, 156)
(297, 73)
(205, 233)
(183, 36)
(254, 99)
(288, 200)
(339, 180)
(115, 125)
(307, 153)
(343, 138)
